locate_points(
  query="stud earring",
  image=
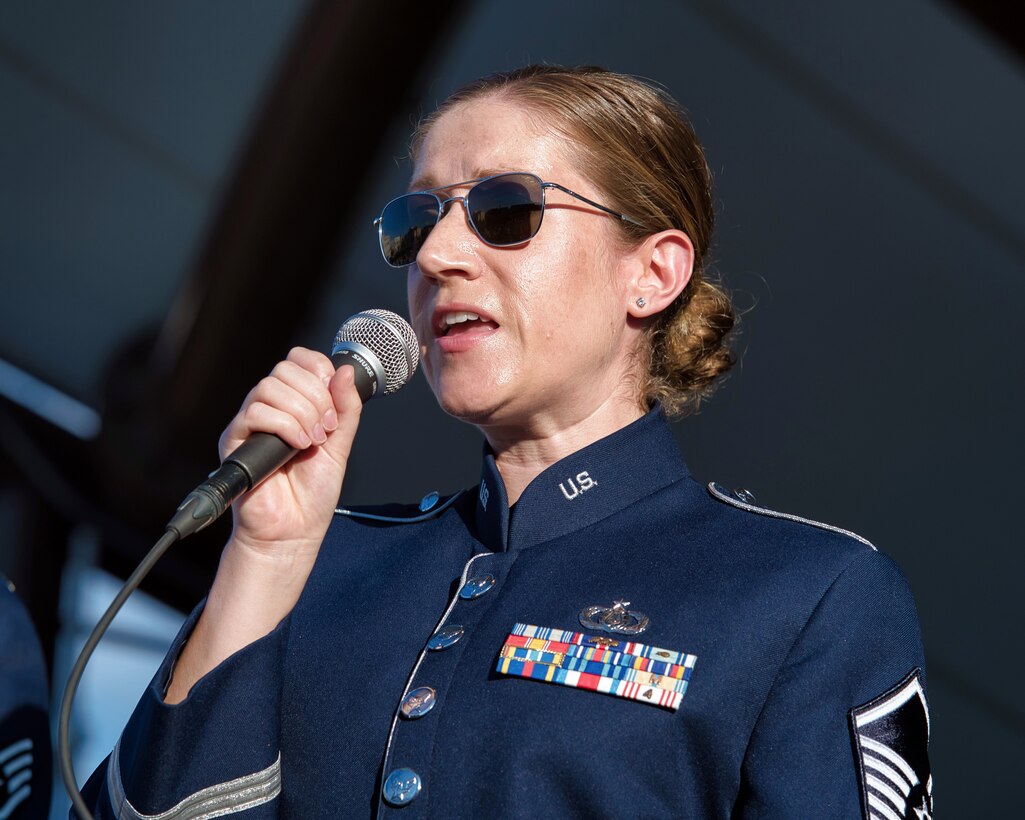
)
(641, 301)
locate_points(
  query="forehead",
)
(481, 137)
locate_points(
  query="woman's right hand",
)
(315, 409)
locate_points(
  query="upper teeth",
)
(461, 316)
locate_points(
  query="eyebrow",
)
(428, 182)
(420, 184)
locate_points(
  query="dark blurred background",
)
(188, 191)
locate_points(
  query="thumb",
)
(348, 408)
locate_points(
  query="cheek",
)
(569, 293)
(420, 313)
(550, 282)
(417, 297)
(414, 284)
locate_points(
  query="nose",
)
(451, 247)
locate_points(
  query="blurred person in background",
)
(26, 767)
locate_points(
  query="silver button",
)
(429, 500)
(445, 637)
(746, 496)
(476, 587)
(401, 787)
(418, 702)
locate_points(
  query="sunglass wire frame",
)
(443, 206)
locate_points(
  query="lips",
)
(458, 328)
(458, 320)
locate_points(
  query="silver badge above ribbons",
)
(616, 619)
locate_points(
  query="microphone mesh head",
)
(391, 339)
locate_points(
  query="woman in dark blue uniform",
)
(588, 632)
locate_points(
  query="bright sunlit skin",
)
(549, 366)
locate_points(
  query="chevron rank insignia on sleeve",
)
(891, 736)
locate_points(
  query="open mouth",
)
(463, 322)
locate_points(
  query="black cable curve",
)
(63, 723)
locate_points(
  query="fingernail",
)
(330, 419)
(319, 435)
(304, 439)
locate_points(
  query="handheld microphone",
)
(383, 351)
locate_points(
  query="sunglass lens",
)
(405, 224)
(506, 210)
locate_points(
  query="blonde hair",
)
(635, 144)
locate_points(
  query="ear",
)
(662, 267)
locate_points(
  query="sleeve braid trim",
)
(221, 799)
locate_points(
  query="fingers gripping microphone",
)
(384, 353)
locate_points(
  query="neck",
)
(522, 454)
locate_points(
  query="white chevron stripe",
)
(889, 773)
(19, 780)
(7, 809)
(15, 749)
(892, 756)
(879, 808)
(21, 762)
(895, 799)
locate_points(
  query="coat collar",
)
(581, 489)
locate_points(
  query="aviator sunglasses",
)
(503, 210)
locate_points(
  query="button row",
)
(476, 587)
(403, 785)
(445, 637)
(418, 702)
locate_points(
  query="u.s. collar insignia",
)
(616, 619)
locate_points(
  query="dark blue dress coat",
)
(806, 661)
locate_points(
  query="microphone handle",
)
(255, 459)
(262, 454)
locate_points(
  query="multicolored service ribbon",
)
(625, 669)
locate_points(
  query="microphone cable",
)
(64, 720)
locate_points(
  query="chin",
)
(471, 394)
(473, 410)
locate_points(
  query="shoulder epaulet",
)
(744, 500)
(428, 508)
